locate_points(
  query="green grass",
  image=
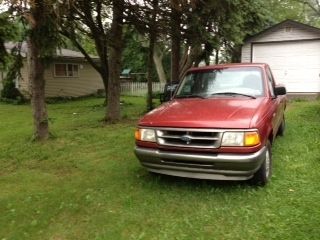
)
(87, 184)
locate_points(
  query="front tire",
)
(262, 176)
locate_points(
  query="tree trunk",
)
(116, 47)
(175, 44)
(101, 47)
(194, 53)
(157, 59)
(217, 56)
(39, 109)
(152, 40)
(235, 53)
(149, 71)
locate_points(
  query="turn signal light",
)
(251, 139)
(137, 135)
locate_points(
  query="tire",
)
(263, 175)
(282, 127)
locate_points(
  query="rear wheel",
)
(262, 176)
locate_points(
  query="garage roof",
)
(287, 22)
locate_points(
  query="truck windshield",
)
(236, 81)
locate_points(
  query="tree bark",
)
(217, 56)
(149, 70)
(101, 47)
(157, 59)
(39, 109)
(116, 47)
(192, 56)
(175, 43)
(152, 40)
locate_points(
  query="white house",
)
(69, 75)
(292, 50)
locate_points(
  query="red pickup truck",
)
(220, 124)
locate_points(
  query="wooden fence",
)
(140, 88)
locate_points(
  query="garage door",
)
(295, 64)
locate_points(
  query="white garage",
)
(292, 50)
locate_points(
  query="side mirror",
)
(280, 90)
(169, 90)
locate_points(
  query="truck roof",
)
(232, 65)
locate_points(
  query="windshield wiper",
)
(190, 96)
(233, 93)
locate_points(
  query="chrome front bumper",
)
(220, 166)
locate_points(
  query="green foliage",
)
(9, 91)
(8, 31)
(223, 25)
(87, 183)
(43, 27)
(85, 42)
(287, 9)
(135, 52)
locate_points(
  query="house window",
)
(66, 70)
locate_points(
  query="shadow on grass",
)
(166, 181)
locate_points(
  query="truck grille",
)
(191, 138)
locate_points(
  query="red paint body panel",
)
(221, 112)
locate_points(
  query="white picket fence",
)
(140, 88)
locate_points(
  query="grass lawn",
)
(87, 184)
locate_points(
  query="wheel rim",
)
(267, 163)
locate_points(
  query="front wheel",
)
(262, 176)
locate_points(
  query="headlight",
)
(144, 134)
(232, 139)
(240, 139)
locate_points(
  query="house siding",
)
(87, 82)
(24, 84)
(246, 53)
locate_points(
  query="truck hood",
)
(204, 113)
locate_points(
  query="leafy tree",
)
(135, 55)
(9, 31)
(208, 26)
(9, 91)
(9, 62)
(311, 11)
(135, 51)
(92, 20)
(285, 9)
(88, 20)
(41, 18)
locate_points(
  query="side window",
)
(188, 85)
(271, 82)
